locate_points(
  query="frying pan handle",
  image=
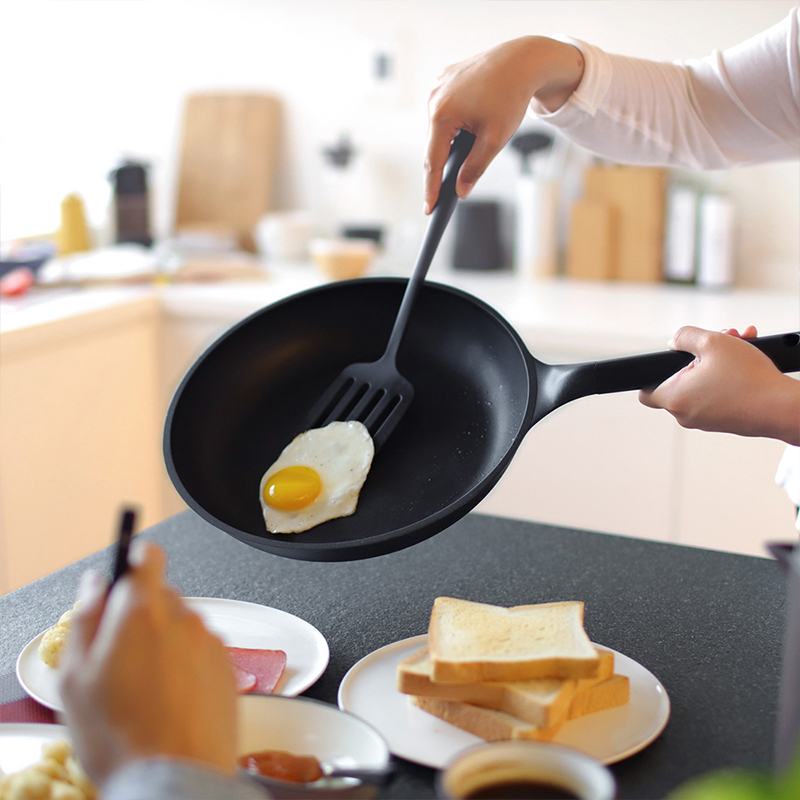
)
(440, 216)
(648, 371)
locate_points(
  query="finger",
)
(149, 562)
(749, 332)
(486, 147)
(88, 613)
(440, 135)
(646, 398)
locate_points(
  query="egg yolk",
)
(292, 488)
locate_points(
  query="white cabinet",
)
(79, 435)
(600, 463)
(607, 463)
(727, 498)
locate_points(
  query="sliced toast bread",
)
(494, 725)
(610, 693)
(487, 723)
(541, 702)
(475, 642)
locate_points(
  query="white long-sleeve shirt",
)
(736, 106)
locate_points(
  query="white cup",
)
(284, 236)
(522, 769)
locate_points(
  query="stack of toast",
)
(510, 673)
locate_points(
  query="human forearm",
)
(783, 415)
(707, 113)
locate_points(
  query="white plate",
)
(21, 743)
(238, 624)
(368, 690)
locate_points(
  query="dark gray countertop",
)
(709, 625)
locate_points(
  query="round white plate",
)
(368, 690)
(21, 743)
(238, 624)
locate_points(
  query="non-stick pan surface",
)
(246, 398)
(477, 392)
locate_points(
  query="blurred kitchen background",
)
(90, 83)
(230, 142)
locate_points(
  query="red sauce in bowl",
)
(282, 765)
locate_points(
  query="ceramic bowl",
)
(303, 726)
(342, 259)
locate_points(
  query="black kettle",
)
(131, 203)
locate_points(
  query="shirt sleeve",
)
(168, 779)
(736, 106)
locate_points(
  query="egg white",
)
(341, 453)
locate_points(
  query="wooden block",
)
(592, 243)
(639, 196)
(227, 162)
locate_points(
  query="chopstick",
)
(126, 526)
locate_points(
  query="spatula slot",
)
(348, 406)
(368, 405)
(378, 416)
(337, 393)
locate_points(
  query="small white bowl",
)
(342, 259)
(303, 726)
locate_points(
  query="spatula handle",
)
(648, 371)
(440, 216)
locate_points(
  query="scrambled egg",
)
(54, 639)
(57, 776)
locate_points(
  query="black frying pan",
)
(478, 392)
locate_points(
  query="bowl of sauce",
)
(302, 748)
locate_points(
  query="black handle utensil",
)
(375, 392)
(557, 384)
(126, 528)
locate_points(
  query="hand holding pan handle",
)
(648, 371)
(558, 384)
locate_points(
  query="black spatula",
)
(374, 392)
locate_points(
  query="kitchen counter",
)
(620, 318)
(708, 625)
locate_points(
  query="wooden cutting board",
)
(227, 163)
(592, 250)
(638, 197)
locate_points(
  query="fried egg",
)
(317, 477)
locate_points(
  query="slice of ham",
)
(266, 666)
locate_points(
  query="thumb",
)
(690, 339)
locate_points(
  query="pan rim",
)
(375, 544)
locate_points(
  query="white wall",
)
(85, 82)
